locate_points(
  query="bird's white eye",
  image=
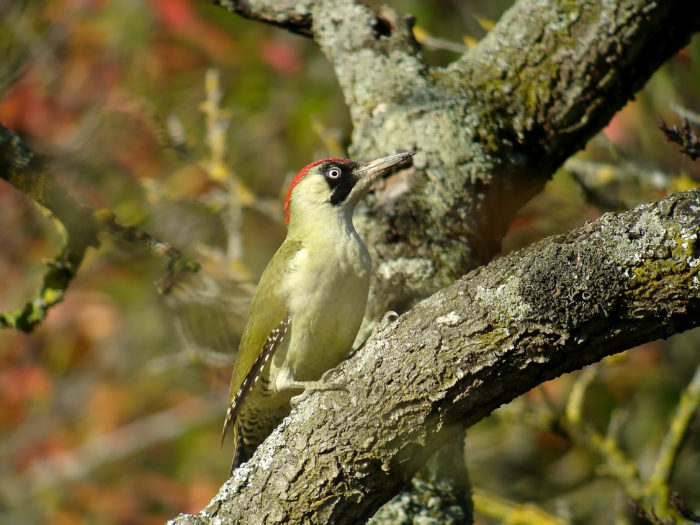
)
(334, 173)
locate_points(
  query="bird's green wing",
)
(266, 326)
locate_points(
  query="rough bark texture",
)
(499, 331)
(490, 128)
(293, 15)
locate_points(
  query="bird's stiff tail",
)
(237, 439)
(237, 450)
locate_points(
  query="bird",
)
(309, 302)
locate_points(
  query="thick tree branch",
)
(549, 309)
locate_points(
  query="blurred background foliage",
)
(188, 122)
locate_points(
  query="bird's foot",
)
(388, 318)
(311, 387)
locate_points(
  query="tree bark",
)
(551, 308)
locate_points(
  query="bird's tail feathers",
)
(228, 420)
(237, 450)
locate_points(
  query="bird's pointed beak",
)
(368, 172)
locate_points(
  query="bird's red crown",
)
(297, 179)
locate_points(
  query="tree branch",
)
(293, 15)
(678, 428)
(548, 309)
(80, 225)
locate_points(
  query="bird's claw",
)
(388, 318)
(315, 386)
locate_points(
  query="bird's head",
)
(336, 185)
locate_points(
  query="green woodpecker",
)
(309, 302)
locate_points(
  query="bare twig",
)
(658, 484)
(506, 511)
(682, 509)
(687, 140)
(649, 515)
(292, 15)
(80, 225)
(616, 461)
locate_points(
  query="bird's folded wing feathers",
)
(266, 327)
(273, 341)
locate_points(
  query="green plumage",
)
(267, 311)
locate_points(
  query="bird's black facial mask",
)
(340, 178)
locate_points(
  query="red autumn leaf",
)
(176, 14)
(283, 57)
